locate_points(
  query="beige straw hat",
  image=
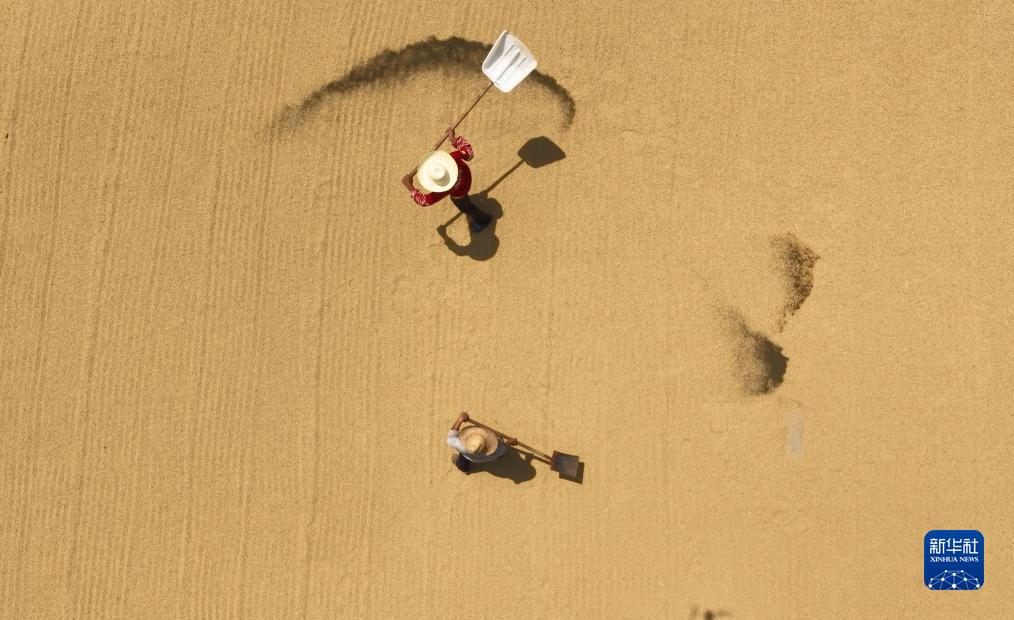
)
(478, 440)
(438, 172)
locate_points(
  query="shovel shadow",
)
(517, 464)
(536, 153)
(577, 477)
(512, 465)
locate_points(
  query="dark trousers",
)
(465, 205)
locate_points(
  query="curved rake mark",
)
(395, 65)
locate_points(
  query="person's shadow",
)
(537, 152)
(483, 244)
(514, 465)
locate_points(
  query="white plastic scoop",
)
(507, 64)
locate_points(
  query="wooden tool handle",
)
(523, 445)
(455, 126)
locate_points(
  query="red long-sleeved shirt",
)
(462, 153)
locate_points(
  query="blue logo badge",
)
(952, 559)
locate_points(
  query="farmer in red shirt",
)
(446, 174)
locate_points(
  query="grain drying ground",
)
(765, 296)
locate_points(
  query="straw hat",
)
(438, 172)
(478, 440)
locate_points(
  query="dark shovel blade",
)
(566, 464)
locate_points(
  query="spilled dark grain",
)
(393, 66)
(759, 363)
(795, 262)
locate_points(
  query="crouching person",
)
(475, 444)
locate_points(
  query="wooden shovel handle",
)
(523, 445)
(455, 125)
(474, 103)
